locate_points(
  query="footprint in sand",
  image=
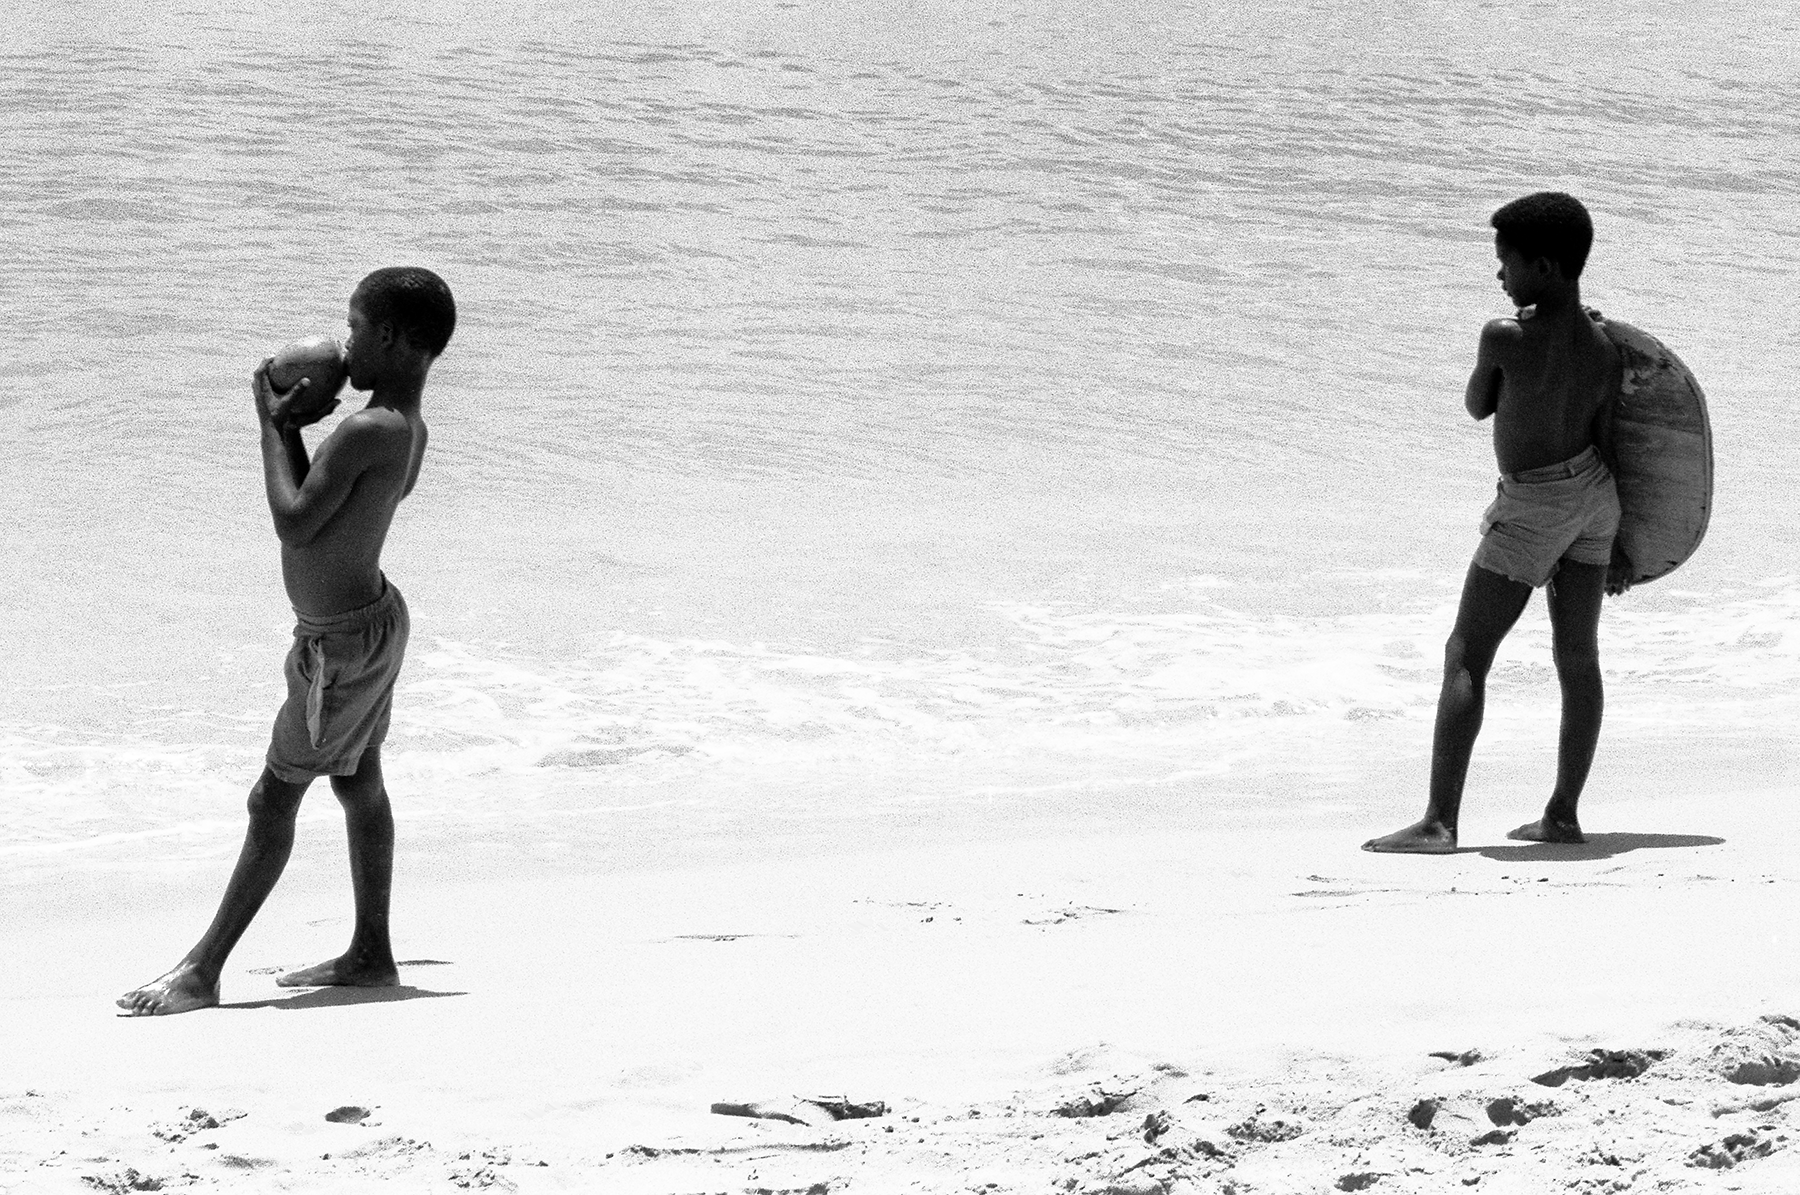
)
(240, 1162)
(1739, 1147)
(123, 1182)
(1507, 1111)
(1765, 1054)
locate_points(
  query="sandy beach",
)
(1255, 1008)
(937, 544)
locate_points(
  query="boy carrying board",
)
(1547, 377)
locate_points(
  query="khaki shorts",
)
(1541, 517)
(340, 688)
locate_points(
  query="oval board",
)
(1663, 445)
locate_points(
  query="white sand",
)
(1275, 993)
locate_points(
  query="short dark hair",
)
(1547, 224)
(414, 300)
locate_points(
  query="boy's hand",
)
(1619, 573)
(276, 407)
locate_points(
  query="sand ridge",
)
(1707, 1104)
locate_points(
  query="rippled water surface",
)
(862, 407)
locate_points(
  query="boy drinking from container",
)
(332, 514)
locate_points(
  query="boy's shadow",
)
(334, 997)
(1597, 846)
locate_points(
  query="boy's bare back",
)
(1546, 376)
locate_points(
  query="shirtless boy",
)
(1546, 377)
(332, 515)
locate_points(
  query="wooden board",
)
(1663, 443)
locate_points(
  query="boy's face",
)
(360, 348)
(1522, 278)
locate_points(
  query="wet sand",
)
(1259, 1008)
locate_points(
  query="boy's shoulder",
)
(375, 422)
(370, 432)
(1503, 335)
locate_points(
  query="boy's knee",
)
(1576, 660)
(273, 797)
(1463, 655)
(357, 789)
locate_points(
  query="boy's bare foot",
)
(344, 972)
(1548, 829)
(183, 989)
(1421, 838)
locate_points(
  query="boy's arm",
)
(1482, 396)
(295, 448)
(301, 509)
(303, 496)
(1620, 571)
(414, 479)
(1602, 431)
(272, 408)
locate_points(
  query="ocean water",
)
(864, 416)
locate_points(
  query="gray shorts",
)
(340, 688)
(1541, 517)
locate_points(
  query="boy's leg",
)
(369, 820)
(1575, 597)
(1491, 604)
(194, 981)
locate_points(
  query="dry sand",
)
(1253, 1009)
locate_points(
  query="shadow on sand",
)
(1598, 846)
(334, 997)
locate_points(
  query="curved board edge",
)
(1662, 438)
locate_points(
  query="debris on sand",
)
(1603, 1064)
(844, 1108)
(1255, 1128)
(194, 1120)
(803, 1109)
(1094, 1102)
